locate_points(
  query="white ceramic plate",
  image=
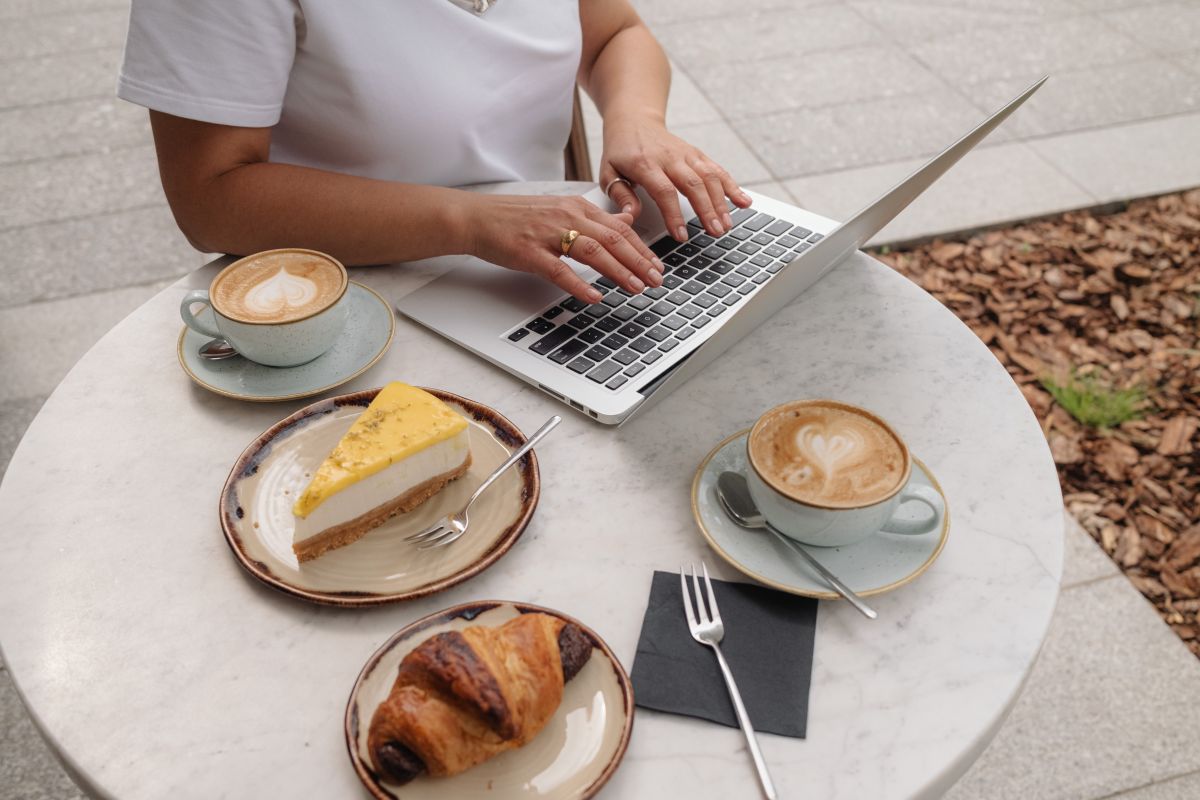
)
(572, 757)
(370, 326)
(256, 510)
(879, 564)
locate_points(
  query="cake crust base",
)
(353, 530)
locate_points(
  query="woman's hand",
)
(525, 234)
(642, 150)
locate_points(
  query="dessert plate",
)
(876, 565)
(572, 757)
(256, 510)
(368, 334)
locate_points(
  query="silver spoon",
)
(216, 350)
(734, 495)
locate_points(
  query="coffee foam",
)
(278, 287)
(827, 454)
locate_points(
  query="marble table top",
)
(155, 666)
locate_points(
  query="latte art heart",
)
(280, 291)
(827, 453)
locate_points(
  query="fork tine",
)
(425, 534)
(712, 598)
(441, 541)
(703, 612)
(687, 600)
(443, 533)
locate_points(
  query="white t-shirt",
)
(420, 91)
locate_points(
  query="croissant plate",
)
(462, 697)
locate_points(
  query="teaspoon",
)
(216, 350)
(735, 498)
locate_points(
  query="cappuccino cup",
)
(830, 474)
(280, 308)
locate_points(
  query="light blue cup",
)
(273, 344)
(833, 527)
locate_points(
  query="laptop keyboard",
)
(613, 340)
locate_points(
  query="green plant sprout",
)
(1095, 402)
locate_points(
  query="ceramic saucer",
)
(368, 333)
(256, 510)
(572, 757)
(876, 565)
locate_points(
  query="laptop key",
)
(705, 300)
(646, 319)
(568, 351)
(634, 369)
(733, 280)
(800, 248)
(708, 277)
(662, 307)
(700, 262)
(657, 292)
(689, 250)
(675, 322)
(669, 345)
(703, 240)
(614, 299)
(518, 334)
(617, 382)
(800, 232)
(747, 288)
(642, 345)
(740, 215)
(605, 371)
(741, 234)
(816, 237)
(749, 270)
(722, 267)
(762, 238)
(761, 260)
(774, 251)
(591, 335)
(713, 252)
(673, 259)
(574, 304)
(598, 353)
(787, 241)
(719, 289)
(671, 282)
(598, 310)
(684, 333)
(700, 322)
(615, 342)
(540, 325)
(625, 356)
(552, 312)
(733, 298)
(580, 322)
(761, 278)
(607, 283)
(728, 243)
(631, 330)
(693, 287)
(718, 310)
(581, 365)
(780, 264)
(622, 314)
(686, 271)
(641, 302)
(679, 298)
(659, 333)
(663, 246)
(650, 358)
(759, 222)
(735, 257)
(691, 312)
(750, 248)
(780, 226)
(553, 340)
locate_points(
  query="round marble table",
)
(155, 666)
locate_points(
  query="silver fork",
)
(452, 527)
(710, 631)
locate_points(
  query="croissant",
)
(462, 697)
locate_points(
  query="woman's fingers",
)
(694, 189)
(710, 173)
(561, 275)
(623, 244)
(620, 192)
(587, 250)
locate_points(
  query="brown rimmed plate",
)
(572, 757)
(256, 516)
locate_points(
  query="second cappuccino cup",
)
(280, 308)
(830, 474)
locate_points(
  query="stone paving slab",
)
(78, 186)
(28, 771)
(15, 416)
(1094, 98)
(71, 128)
(1111, 705)
(1185, 787)
(923, 21)
(1084, 560)
(989, 185)
(1132, 160)
(94, 253)
(17, 9)
(1163, 28)
(32, 36)
(1189, 61)
(66, 76)
(659, 12)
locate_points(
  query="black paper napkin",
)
(768, 644)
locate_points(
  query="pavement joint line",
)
(765, 11)
(81, 217)
(1156, 782)
(63, 101)
(37, 301)
(121, 148)
(1060, 172)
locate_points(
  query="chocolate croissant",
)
(465, 696)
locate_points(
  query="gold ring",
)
(608, 186)
(567, 240)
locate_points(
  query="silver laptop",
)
(618, 357)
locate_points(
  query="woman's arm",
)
(626, 73)
(228, 198)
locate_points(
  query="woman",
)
(337, 126)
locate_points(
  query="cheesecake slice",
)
(402, 450)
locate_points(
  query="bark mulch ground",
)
(1097, 318)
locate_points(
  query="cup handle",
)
(922, 494)
(190, 319)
